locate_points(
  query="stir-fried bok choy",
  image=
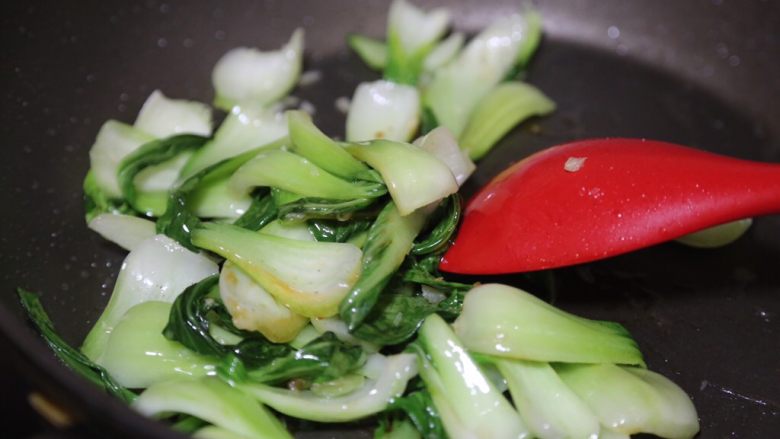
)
(277, 274)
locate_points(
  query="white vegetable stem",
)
(469, 404)
(114, 142)
(383, 110)
(547, 405)
(485, 61)
(414, 177)
(631, 400)
(248, 76)
(311, 278)
(442, 144)
(414, 27)
(214, 401)
(126, 231)
(138, 354)
(157, 269)
(254, 309)
(163, 117)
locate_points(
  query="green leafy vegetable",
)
(97, 202)
(467, 402)
(521, 326)
(458, 87)
(74, 359)
(418, 407)
(244, 129)
(498, 112)
(114, 141)
(162, 117)
(214, 401)
(717, 236)
(294, 173)
(387, 378)
(426, 272)
(395, 317)
(179, 221)
(316, 208)
(329, 230)
(152, 153)
(254, 309)
(247, 76)
(190, 324)
(439, 237)
(158, 269)
(389, 240)
(127, 231)
(372, 52)
(310, 142)
(411, 35)
(261, 212)
(631, 400)
(311, 278)
(383, 110)
(323, 359)
(414, 176)
(137, 354)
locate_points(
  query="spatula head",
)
(594, 199)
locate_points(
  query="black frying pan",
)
(703, 73)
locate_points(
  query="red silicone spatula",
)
(593, 199)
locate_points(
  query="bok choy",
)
(276, 270)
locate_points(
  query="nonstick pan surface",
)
(703, 73)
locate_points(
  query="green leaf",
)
(97, 202)
(294, 173)
(146, 276)
(329, 230)
(717, 236)
(72, 358)
(418, 407)
(150, 154)
(386, 381)
(401, 67)
(191, 319)
(317, 208)
(323, 359)
(188, 323)
(425, 271)
(261, 212)
(395, 317)
(439, 237)
(179, 221)
(389, 240)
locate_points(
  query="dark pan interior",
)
(702, 73)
